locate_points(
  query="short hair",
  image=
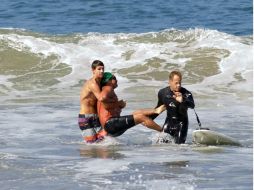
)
(173, 73)
(96, 63)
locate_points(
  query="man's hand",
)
(178, 96)
(121, 104)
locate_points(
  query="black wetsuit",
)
(176, 123)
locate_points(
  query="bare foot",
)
(160, 109)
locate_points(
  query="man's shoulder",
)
(91, 81)
(91, 84)
(184, 90)
(87, 82)
(88, 85)
(108, 89)
(165, 89)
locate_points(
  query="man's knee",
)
(137, 112)
(139, 118)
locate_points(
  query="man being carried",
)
(114, 124)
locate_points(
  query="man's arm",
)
(120, 104)
(110, 99)
(188, 100)
(95, 88)
(159, 103)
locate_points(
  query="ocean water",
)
(46, 49)
(112, 16)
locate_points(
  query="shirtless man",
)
(88, 119)
(114, 124)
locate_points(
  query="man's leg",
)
(146, 121)
(151, 111)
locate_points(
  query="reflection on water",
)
(208, 149)
(177, 164)
(101, 152)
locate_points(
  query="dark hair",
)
(96, 63)
(173, 73)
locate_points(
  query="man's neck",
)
(173, 90)
(170, 89)
(98, 80)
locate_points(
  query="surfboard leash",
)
(199, 123)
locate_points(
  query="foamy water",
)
(206, 57)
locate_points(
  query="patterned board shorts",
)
(91, 128)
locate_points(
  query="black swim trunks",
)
(116, 126)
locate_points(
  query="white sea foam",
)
(112, 51)
(7, 156)
(171, 184)
(95, 166)
(240, 61)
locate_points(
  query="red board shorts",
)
(91, 128)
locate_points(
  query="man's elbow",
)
(192, 106)
(102, 98)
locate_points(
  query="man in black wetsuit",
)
(177, 101)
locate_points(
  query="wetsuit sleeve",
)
(159, 103)
(188, 100)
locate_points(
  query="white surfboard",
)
(208, 137)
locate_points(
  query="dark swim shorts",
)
(177, 130)
(116, 126)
